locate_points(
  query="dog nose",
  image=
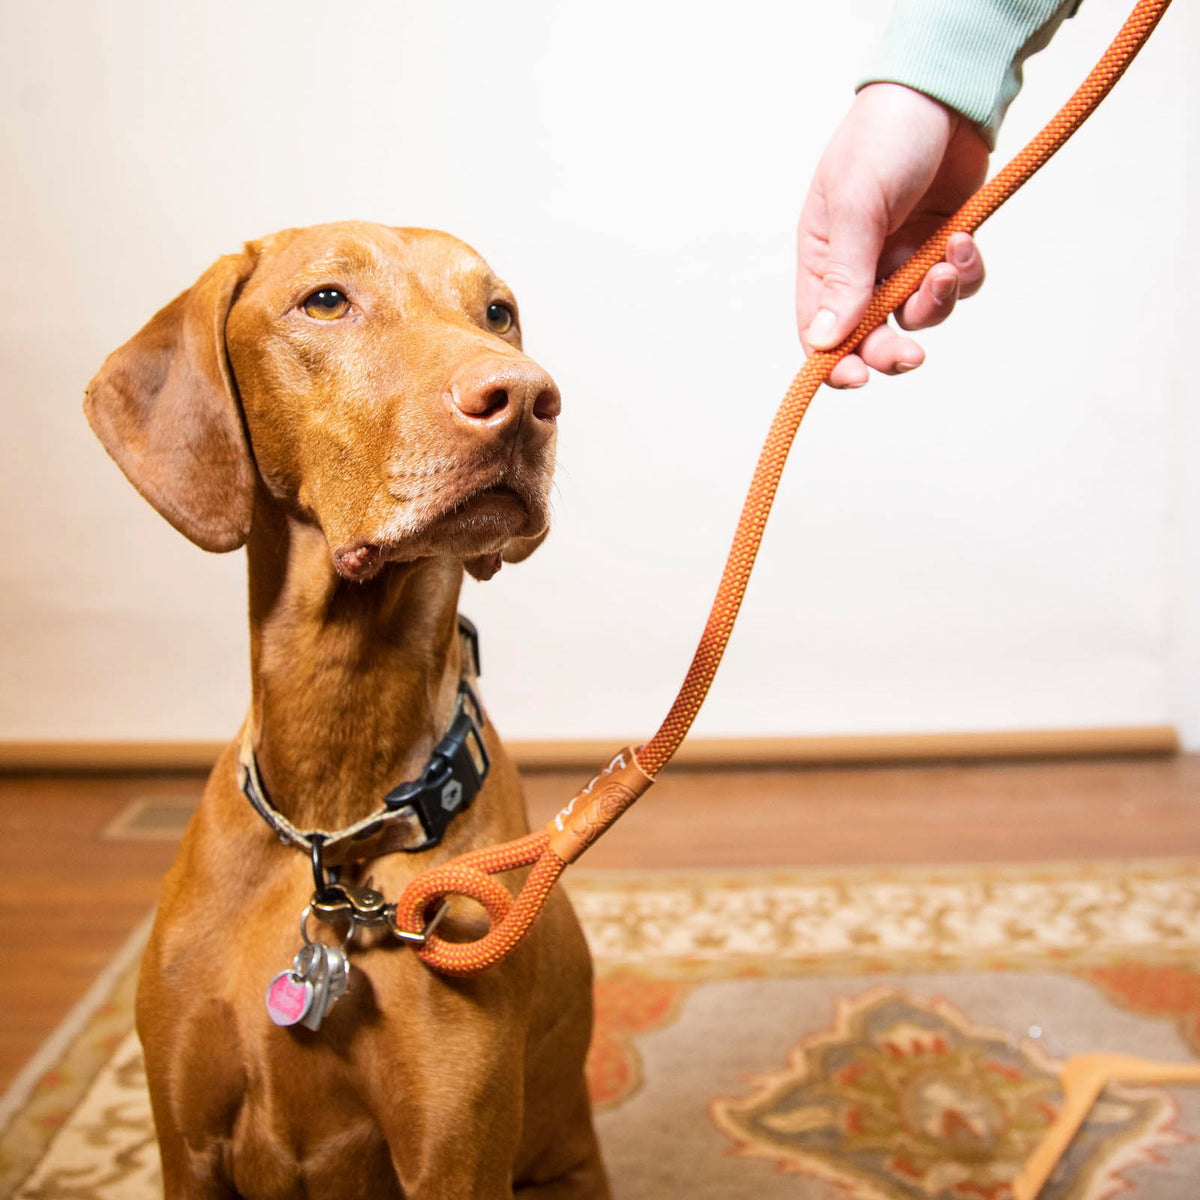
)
(501, 395)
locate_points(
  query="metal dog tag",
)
(329, 977)
(320, 975)
(339, 972)
(289, 997)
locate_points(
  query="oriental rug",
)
(849, 1035)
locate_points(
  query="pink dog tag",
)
(288, 998)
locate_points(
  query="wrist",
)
(887, 104)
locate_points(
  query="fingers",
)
(963, 253)
(933, 301)
(892, 353)
(851, 372)
(961, 275)
(846, 284)
(885, 349)
(833, 292)
(838, 245)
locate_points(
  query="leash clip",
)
(417, 940)
(332, 901)
(362, 904)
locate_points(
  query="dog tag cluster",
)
(306, 993)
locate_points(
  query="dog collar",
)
(415, 815)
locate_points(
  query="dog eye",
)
(327, 304)
(500, 317)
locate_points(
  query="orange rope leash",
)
(630, 774)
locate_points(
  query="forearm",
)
(966, 53)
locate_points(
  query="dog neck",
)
(352, 684)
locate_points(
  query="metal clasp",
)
(362, 904)
(417, 939)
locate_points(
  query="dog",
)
(350, 402)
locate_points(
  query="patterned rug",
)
(860, 1036)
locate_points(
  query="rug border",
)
(930, 872)
(52, 1051)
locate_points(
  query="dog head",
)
(371, 379)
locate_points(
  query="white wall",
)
(1006, 538)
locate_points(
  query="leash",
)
(630, 773)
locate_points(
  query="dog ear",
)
(165, 408)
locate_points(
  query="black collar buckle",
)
(456, 771)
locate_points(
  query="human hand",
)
(899, 164)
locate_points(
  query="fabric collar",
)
(415, 815)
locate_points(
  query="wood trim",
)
(109, 756)
(729, 752)
(873, 748)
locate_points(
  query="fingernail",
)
(901, 367)
(820, 332)
(961, 253)
(943, 289)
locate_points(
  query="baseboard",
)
(730, 752)
(109, 756)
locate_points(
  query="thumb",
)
(848, 278)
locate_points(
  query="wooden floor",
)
(69, 898)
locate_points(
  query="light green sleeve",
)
(966, 53)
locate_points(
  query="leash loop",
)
(471, 875)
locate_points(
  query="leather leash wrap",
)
(593, 809)
(550, 849)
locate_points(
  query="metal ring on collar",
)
(308, 912)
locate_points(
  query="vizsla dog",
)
(350, 402)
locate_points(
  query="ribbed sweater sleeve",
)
(966, 53)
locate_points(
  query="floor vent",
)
(151, 819)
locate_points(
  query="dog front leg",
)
(468, 1152)
(189, 1173)
(181, 1182)
(587, 1180)
(454, 1123)
(570, 1168)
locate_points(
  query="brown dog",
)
(352, 403)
